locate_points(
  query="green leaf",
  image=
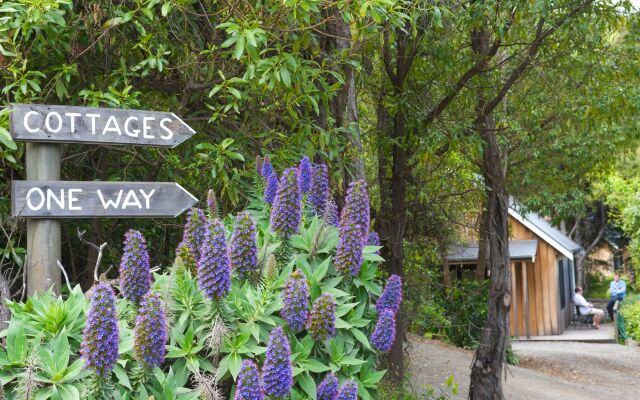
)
(314, 365)
(361, 337)
(308, 385)
(234, 363)
(351, 360)
(239, 49)
(6, 139)
(123, 378)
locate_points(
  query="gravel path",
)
(548, 370)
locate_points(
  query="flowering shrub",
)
(295, 330)
(135, 278)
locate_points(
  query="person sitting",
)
(618, 291)
(586, 308)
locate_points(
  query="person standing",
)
(586, 308)
(618, 290)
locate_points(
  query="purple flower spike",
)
(304, 175)
(319, 189)
(212, 203)
(330, 213)
(322, 322)
(267, 168)
(356, 209)
(277, 371)
(294, 301)
(192, 237)
(286, 212)
(349, 251)
(391, 297)
(214, 272)
(99, 346)
(349, 391)
(328, 388)
(271, 189)
(150, 333)
(248, 385)
(243, 250)
(373, 239)
(385, 331)
(135, 278)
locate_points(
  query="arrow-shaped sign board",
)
(67, 199)
(70, 124)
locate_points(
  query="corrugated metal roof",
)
(518, 250)
(548, 233)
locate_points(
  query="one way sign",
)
(67, 199)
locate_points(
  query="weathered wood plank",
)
(65, 199)
(43, 235)
(109, 126)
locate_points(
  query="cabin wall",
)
(546, 317)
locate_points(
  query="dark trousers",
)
(611, 303)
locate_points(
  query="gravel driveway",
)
(548, 370)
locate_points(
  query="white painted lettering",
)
(51, 195)
(133, 133)
(131, 200)
(72, 120)
(26, 126)
(109, 128)
(73, 199)
(93, 122)
(29, 196)
(147, 197)
(109, 202)
(163, 126)
(47, 122)
(146, 128)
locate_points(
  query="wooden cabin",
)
(543, 275)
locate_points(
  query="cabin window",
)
(561, 287)
(617, 261)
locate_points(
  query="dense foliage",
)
(182, 340)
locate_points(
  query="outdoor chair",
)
(581, 321)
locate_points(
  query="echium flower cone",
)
(356, 208)
(99, 347)
(328, 388)
(271, 188)
(384, 332)
(248, 386)
(135, 278)
(319, 191)
(349, 250)
(391, 297)
(192, 237)
(322, 321)
(150, 332)
(348, 391)
(243, 249)
(304, 175)
(286, 212)
(214, 270)
(294, 301)
(277, 372)
(330, 212)
(267, 168)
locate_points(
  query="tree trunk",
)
(486, 370)
(483, 247)
(344, 106)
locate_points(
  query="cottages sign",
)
(68, 124)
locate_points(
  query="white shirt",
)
(583, 304)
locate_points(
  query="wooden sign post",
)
(43, 199)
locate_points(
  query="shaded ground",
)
(548, 370)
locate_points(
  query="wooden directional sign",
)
(65, 199)
(68, 124)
